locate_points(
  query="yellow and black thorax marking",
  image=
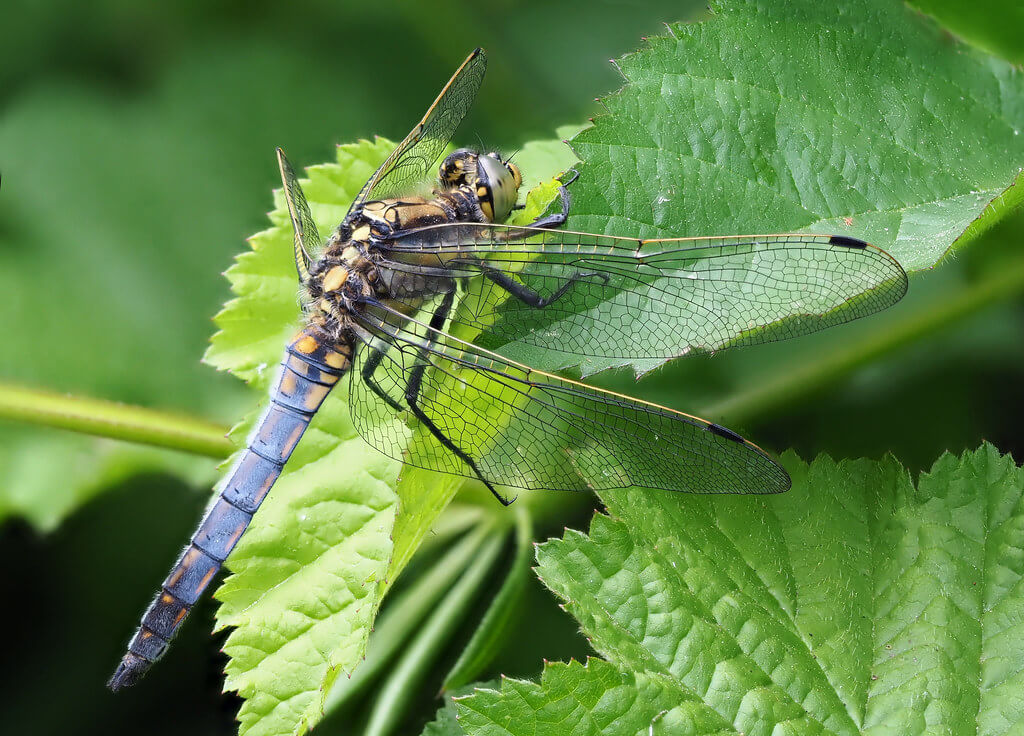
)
(492, 182)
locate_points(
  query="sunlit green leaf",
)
(858, 603)
(782, 117)
(445, 722)
(590, 699)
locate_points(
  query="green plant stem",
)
(795, 383)
(117, 421)
(200, 437)
(394, 695)
(504, 608)
(405, 615)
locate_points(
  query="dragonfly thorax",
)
(344, 275)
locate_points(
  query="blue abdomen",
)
(309, 370)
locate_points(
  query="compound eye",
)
(517, 175)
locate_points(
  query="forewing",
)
(410, 163)
(527, 429)
(627, 298)
(307, 238)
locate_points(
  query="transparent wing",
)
(527, 429)
(627, 298)
(410, 163)
(307, 238)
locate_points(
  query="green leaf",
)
(309, 574)
(591, 699)
(780, 117)
(541, 160)
(858, 603)
(445, 723)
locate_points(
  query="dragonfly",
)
(424, 277)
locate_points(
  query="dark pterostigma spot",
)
(724, 432)
(847, 242)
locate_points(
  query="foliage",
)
(287, 648)
(857, 603)
(131, 168)
(44, 493)
(716, 133)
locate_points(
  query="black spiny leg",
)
(412, 395)
(558, 219)
(525, 293)
(369, 368)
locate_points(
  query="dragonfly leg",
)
(369, 368)
(558, 218)
(526, 294)
(412, 394)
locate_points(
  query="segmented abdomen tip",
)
(130, 671)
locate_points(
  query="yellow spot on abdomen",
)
(336, 360)
(207, 578)
(328, 378)
(235, 535)
(307, 344)
(361, 233)
(173, 580)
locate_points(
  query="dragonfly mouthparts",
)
(131, 669)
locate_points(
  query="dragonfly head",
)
(496, 181)
(497, 186)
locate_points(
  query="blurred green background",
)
(136, 150)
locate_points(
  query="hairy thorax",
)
(354, 268)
